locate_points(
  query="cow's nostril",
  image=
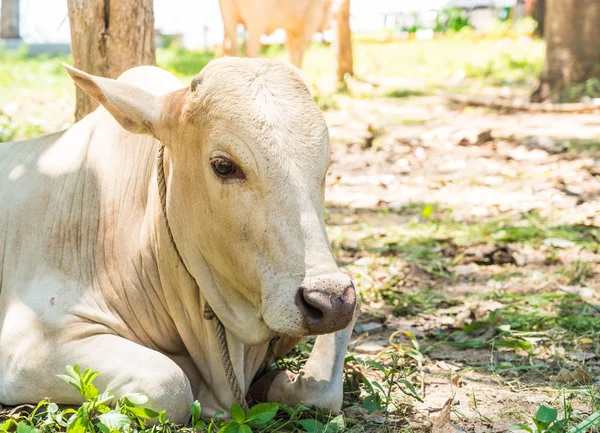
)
(311, 313)
(324, 309)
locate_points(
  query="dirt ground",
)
(396, 164)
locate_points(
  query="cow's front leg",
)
(124, 367)
(319, 384)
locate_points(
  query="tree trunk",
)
(9, 20)
(538, 14)
(572, 29)
(518, 11)
(107, 38)
(343, 42)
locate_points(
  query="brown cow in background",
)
(300, 19)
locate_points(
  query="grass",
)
(567, 316)
(31, 87)
(436, 242)
(184, 63)
(404, 93)
(529, 336)
(591, 146)
(104, 413)
(437, 60)
(129, 413)
(525, 228)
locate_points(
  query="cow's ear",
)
(135, 109)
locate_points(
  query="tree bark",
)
(538, 13)
(343, 42)
(518, 11)
(107, 38)
(9, 20)
(572, 29)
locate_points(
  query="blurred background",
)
(463, 194)
(201, 27)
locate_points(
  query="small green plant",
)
(94, 415)
(577, 272)
(504, 336)
(128, 415)
(7, 128)
(334, 425)
(546, 421)
(326, 101)
(257, 417)
(379, 396)
(590, 88)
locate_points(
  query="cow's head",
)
(247, 153)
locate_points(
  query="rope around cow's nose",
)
(209, 313)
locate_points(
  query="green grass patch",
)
(582, 145)
(514, 68)
(434, 242)
(404, 93)
(426, 236)
(182, 62)
(528, 325)
(563, 313)
(104, 413)
(421, 302)
(39, 84)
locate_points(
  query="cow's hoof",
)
(291, 389)
(259, 391)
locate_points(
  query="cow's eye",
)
(225, 168)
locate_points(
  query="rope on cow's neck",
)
(209, 313)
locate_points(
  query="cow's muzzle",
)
(327, 304)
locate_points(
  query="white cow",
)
(299, 18)
(90, 275)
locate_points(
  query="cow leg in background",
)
(230, 22)
(296, 44)
(124, 367)
(253, 42)
(228, 47)
(319, 384)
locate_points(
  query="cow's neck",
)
(110, 175)
(169, 299)
(155, 300)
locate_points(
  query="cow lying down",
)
(110, 256)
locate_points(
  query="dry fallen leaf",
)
(582, 356)
(456, 381)
(442, 423)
